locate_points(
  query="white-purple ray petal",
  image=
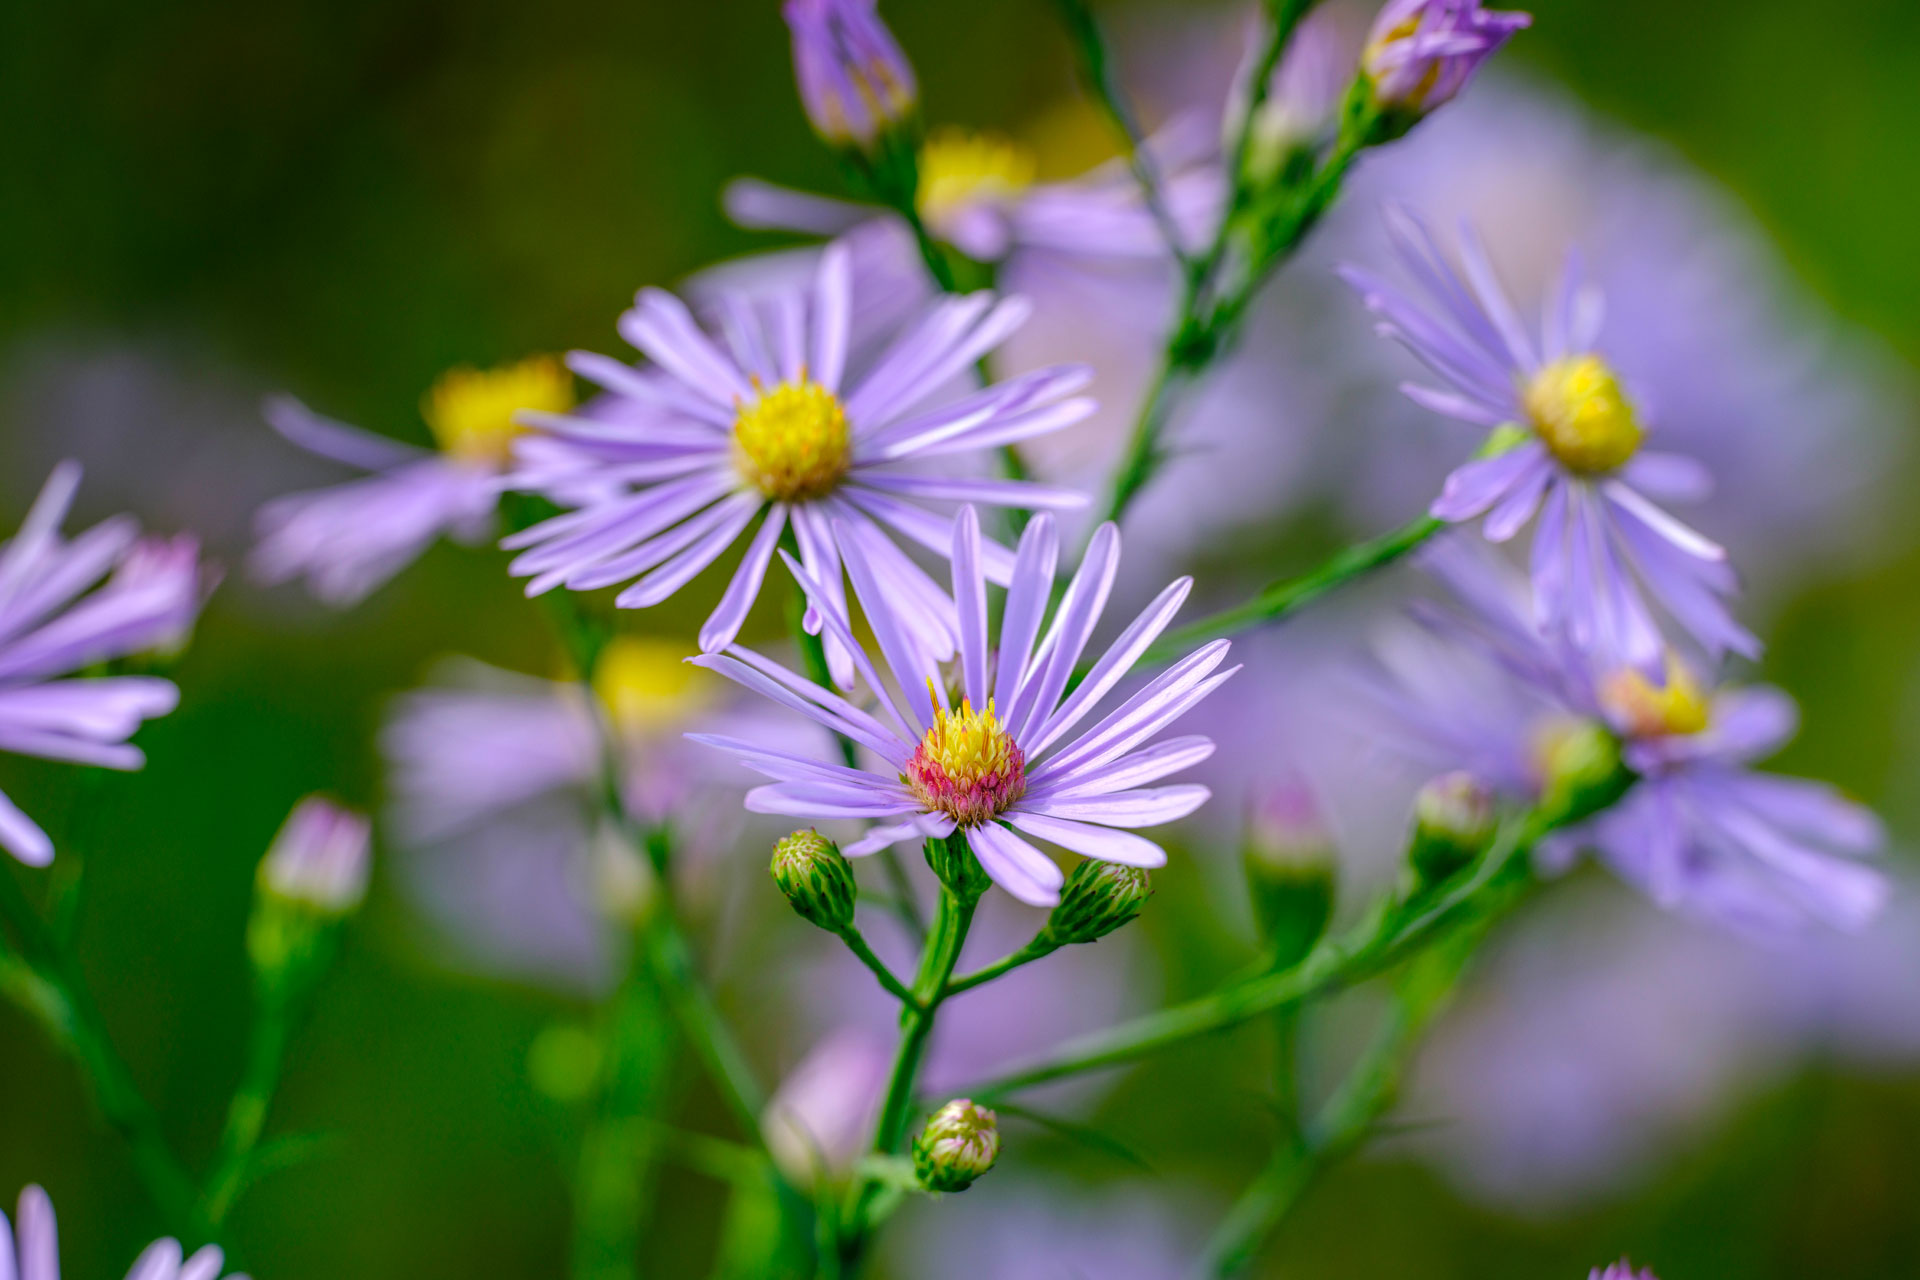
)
(1028, 592)
(920, 826)
(1068, 634)
(1150, 764)
(1016, 866)
(1113, 665)
(1143, 808)
(1089, 841)
(728, 616)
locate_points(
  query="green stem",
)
(247, 1112)
(1278, 600)
(864, 954)
(699, 1019)
(65, 1007)
(1005, 964)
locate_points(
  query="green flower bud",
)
(1453, 823)
(1288, 858)
(960, 1143)
(816, 879)
(1580, 769)
(1098, 898)
(953, 862)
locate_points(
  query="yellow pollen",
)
(1678, 708)
(470, 411)
(969, 745)
(959, 168)
(792, 442)
(1579, 411)
(646, 687)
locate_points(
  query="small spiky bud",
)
(960, 1143)
(1453, 823)
(1098, 898)
(816, 879)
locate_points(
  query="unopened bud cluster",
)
(959, 1144)
(816, 879)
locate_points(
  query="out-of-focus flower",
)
(1567, 446)
(1023, 1230)
(983, 767)
(349, 539)
(57, 617)
(961, 1141)
(1699, 830)
(494, 780)
(30, 1250)
(320, 859)
(1421, 53)
(1621, 1270)
(769, 423)
(820, 1120)
(980, 193)
(855, 83)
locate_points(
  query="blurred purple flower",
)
(57, 617)
(1012, 1229)
(1421, 53)
(1574, 457)
(765, 423)
(349, 539)
(854, 82)
(1621, 1270)
(944, 769)
(31, 1251)
(820, 1120)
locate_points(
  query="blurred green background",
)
(347, 198)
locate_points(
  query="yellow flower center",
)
(646, 687)
(1675, 709)
(471, 411)
(792, 442)
(1579, 411)
(959, 168)
(967, 766)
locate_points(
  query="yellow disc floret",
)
(967, 766)
(959, 168)
(1643, 710)
(792, 441)
(1576, 406)
(647, 687)
(471, 411)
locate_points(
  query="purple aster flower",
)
(1001, 766)
(31, 1250)
(820, 1120)
(320, 858)
(57, 616)
(1568, 450)
(854, 82)
(769, 421)
(1421, 53)
(980, 193)
(1700, 830)
(1621, 1270)
(349, 539)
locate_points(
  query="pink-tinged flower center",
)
(967, 766)
(1577, 408)
(792, 442)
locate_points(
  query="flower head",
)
(57, 617)
(349, 539)
(997, 760)
(855, 83)
(1567, 448)
(30, 1249)
(1421, 53)
(768, 424)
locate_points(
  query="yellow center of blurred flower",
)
(471, 411)
(959, 168)
(792, 442)
(1675, 709)
(967, 766)
(1579, 411)
(646, 686)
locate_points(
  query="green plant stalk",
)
(857, 944)
(247, 1112)
(1034, 950)
(74, 1022)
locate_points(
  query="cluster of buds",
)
(314, 875)
(959, 1144)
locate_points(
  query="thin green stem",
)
(864, 954)
(247, 1112)
(1278, 600)
(64, 1005)
(1005, 964)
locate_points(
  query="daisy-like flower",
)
(30, 1250)
(1569, 450)
(1003, 764)
(1699, 830)
(349, 539)
(57, 617)
(768, 420)
(854, 82)
(1421, 53)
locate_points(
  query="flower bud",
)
(314, 874)
(1580, 769)
(1098, 898)
(1420, 53)
(1452, 825)
(854, 81)
(953, 862)
(960, 1143)
(816, 879)
(1288, 858)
